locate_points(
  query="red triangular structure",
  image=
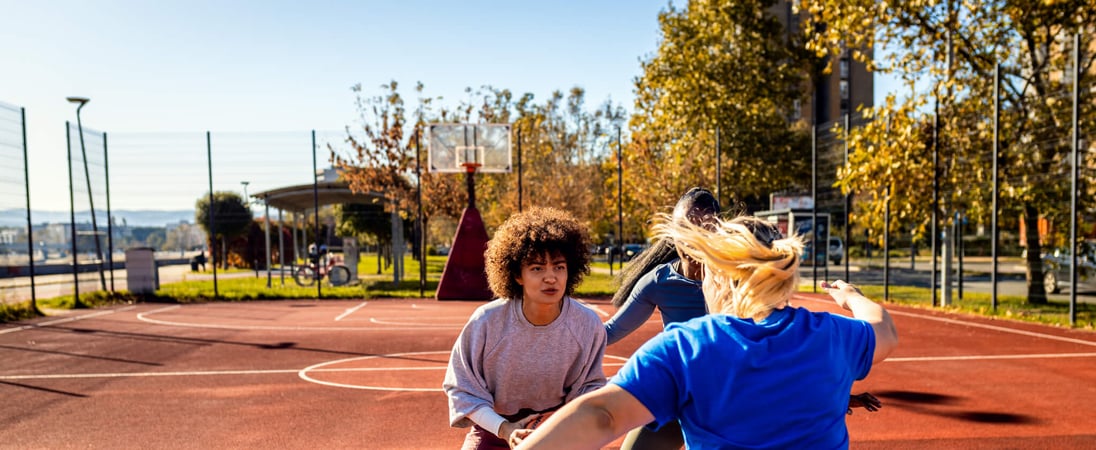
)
(464, 277)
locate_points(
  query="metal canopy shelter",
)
(300, 198)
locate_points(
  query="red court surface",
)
(367, 374)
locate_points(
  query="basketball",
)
(538, 420)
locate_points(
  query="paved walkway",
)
(18, 289)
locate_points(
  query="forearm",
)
(886, 335)
(577, 426)
(489, 420)
(626, 320)
(591, 421)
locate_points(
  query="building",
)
(847, 87)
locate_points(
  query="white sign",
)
(781, 202)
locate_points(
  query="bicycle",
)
(337, 273)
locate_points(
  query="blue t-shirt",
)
(678, 299)
(732, 383)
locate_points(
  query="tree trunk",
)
(1037, 294)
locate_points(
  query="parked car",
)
(630, 251)
(1056, 268)
(836, 250)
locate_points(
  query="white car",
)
(836, 251)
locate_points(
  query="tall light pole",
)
(81, 101)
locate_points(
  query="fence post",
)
(30, 226)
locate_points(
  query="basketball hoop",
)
(474, 148)
(452, 147)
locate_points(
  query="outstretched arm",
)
(591, 421)
(850, 298)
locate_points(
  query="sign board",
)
(779, 202)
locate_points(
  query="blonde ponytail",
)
(750, 269)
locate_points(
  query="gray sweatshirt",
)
(503, 362)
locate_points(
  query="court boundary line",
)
(990, 357)
(350, 311)
(144, 317)
(439, 367)
(65, 320)
(971, 324)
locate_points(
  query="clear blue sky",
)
(164, 66)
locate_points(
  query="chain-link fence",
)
(17, 247)
(147, 190)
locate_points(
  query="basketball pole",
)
(620, 208)
(519, 169)
(454, 148)
(422, 223)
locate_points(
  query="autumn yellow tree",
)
(945, 52)
(730, 66)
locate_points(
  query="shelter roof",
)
(305, 197)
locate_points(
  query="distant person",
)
(199, 260)
(534, 348)
(755, 372)
(315, 254)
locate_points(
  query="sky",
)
(248, 66)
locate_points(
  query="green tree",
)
(562, 147)
(368, 223)
(946, 51)
(721, 65)
(231, 218)
(384, 157)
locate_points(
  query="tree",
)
(183, 237)
(562, 148)
(956, 45)
(368, 223)
(388, 158)
(231, 217)
(727, 66)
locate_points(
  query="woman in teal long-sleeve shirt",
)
(662, 277)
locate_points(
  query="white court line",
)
(350, 311)
(304, 373)
(459, 324)
(145, 318)
(990, 357)
(976, 325)
(220, 373)
(995, 328)
(596, 308)
(66, 320)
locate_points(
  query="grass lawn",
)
(597, 284)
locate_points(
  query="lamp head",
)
(80, 100)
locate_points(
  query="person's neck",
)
(539, 314)
(690, 271)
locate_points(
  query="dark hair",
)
(528, 235)
(698, 200)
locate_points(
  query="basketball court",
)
(367, 374)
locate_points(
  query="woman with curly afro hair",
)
(534, 348)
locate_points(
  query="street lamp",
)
(81, 101)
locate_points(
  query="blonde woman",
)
(756, 372)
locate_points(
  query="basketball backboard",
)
(452, 145)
